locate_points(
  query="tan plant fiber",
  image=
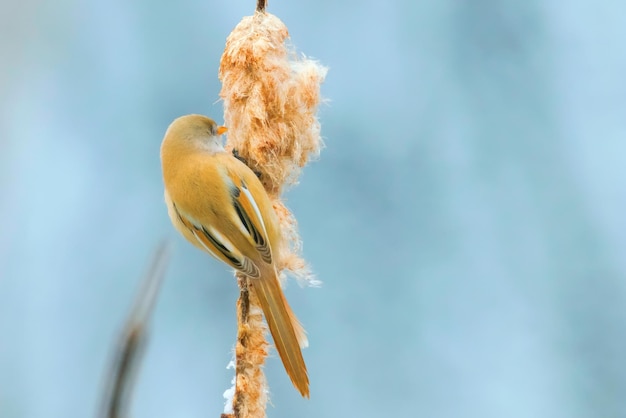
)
(271, 96)
(270, 100)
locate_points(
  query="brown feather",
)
(280, 321)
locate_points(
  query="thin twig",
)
(260, 6)
(132, 341)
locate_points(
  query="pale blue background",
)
(466, 216)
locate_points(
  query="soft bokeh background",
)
(466, 216)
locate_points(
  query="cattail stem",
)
(250, 353)
(250, 394)
(270, 99)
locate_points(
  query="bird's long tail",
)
(286, 331)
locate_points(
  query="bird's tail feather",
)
(286, 331)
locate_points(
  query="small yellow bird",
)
(219, 205)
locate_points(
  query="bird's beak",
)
(221, 130)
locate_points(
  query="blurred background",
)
(466, 216)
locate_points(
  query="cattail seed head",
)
(271, 96)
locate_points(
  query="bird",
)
(220, 206)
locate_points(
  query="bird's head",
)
(197, 131)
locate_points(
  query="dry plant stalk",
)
(270, 99)
(132, 341)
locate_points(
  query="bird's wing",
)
(250, 216)
(216, 244)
